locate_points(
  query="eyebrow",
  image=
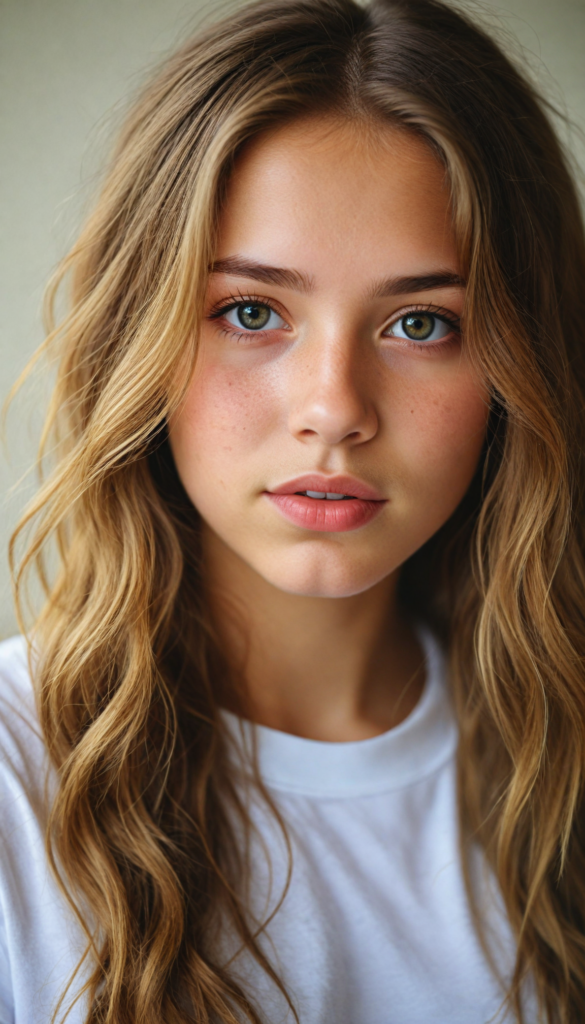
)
(237, 266)
(285, 277)
(416, 283)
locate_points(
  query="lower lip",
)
(323, 515)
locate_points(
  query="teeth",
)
(329, 495)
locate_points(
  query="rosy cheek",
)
(455, 415)
(224, 410)
(444, 422)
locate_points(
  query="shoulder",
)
(16, 689)
(23, 761)
(40, 942)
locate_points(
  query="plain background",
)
(67, 68)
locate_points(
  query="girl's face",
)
(331, 362)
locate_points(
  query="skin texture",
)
(308, 617)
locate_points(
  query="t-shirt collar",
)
(423, 742)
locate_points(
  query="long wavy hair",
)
(127, 669)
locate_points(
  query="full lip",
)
(338, 484)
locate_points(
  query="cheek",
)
(225, 415)
(450, 421)
(438, 429)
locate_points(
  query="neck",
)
(324, 668)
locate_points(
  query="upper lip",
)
(329, 484)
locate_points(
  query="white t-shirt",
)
(375, 927)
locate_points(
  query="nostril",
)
(334, 422)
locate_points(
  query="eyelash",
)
(220, 309)
(454, 322)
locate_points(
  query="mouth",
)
(326, 496)
(328, 488)
(327, 504)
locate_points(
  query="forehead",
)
(361, 199)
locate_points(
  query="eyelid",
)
(224, 306)
(440, 312)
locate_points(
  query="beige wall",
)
(64, 66)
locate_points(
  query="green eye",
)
(420, 327)
(253, 316)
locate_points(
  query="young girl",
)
(305, 736)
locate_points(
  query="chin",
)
(309, 576)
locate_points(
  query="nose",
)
(331, 397)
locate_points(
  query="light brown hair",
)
(127, 668)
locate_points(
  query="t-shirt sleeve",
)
(6, 997)
(22, 773)
(41, 943)
(17, 728)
